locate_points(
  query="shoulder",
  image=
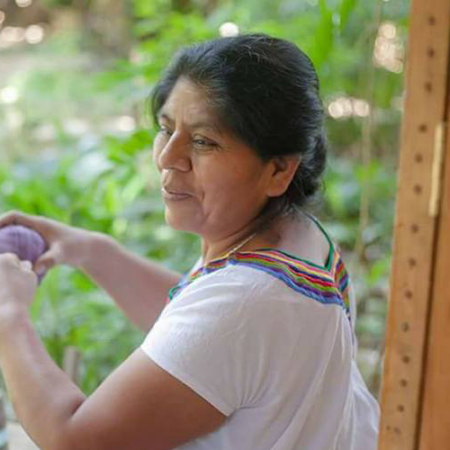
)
(225, 295)
(251, 287)
(230, 279)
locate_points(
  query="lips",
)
(172, 194)
(174, 191)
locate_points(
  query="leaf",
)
(323, 36)
(345, 10)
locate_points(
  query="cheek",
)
(231, 190)
(244, 180)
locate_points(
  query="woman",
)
(254, 348)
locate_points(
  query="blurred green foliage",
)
(67, 152)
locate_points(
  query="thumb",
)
(47, 260)
(45, 263)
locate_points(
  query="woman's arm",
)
(137, 285)
(139, 406)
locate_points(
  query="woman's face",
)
(212, 183)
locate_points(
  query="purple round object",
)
(26, 243)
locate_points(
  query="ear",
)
(283, 169)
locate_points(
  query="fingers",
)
(36, 223)
(12, 260)
(14, 218)
(9, 257)
(26, 265)
(12, 257)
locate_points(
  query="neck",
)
(246, 239)
(216, 248)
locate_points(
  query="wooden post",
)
(415, 387)
(435, 418)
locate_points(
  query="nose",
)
(174, 155)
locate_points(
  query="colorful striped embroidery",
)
(318, 283)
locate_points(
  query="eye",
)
(203, 143)
(164, 130)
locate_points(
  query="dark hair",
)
(266, 92)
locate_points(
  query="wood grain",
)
(435, 415)
(415, 228)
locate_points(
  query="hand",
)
(66, 245)
(18, 282)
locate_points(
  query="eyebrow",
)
(200, 124)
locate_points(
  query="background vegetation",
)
(75, 140)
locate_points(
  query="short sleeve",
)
(204, 338)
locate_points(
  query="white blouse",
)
(268, 339)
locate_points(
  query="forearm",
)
(137, 285)
(43, 396)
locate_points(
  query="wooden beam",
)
(435, 417)
(417, 214)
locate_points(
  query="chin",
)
(180, 222)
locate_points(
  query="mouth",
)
(173, 195)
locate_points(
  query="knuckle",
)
(17, 216)
(8, 257)
(10, 217)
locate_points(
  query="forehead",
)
(188, 103)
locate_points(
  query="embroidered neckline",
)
(323, 284)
